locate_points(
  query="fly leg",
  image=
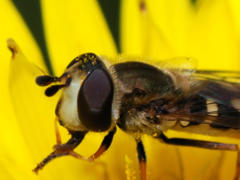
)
(57, 132)
(71, 144)
(105, 145)
(206, 145)
(61, 146)
(62, 149)
(142, 159)
(107, 141)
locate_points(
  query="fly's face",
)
(87, 94)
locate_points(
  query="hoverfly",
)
(142, 99)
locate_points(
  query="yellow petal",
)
(35, 117)
(207, 32)
(13, 150)
(234, 6)
(213, 40)
(74, 27)
(13, 26)
(173, 18)
(154, 28)
(131, 37)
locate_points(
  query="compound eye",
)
(95, 101)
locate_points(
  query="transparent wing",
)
(232, 77)
(214, 98)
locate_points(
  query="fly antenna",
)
(50, 91)
(45, 80)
